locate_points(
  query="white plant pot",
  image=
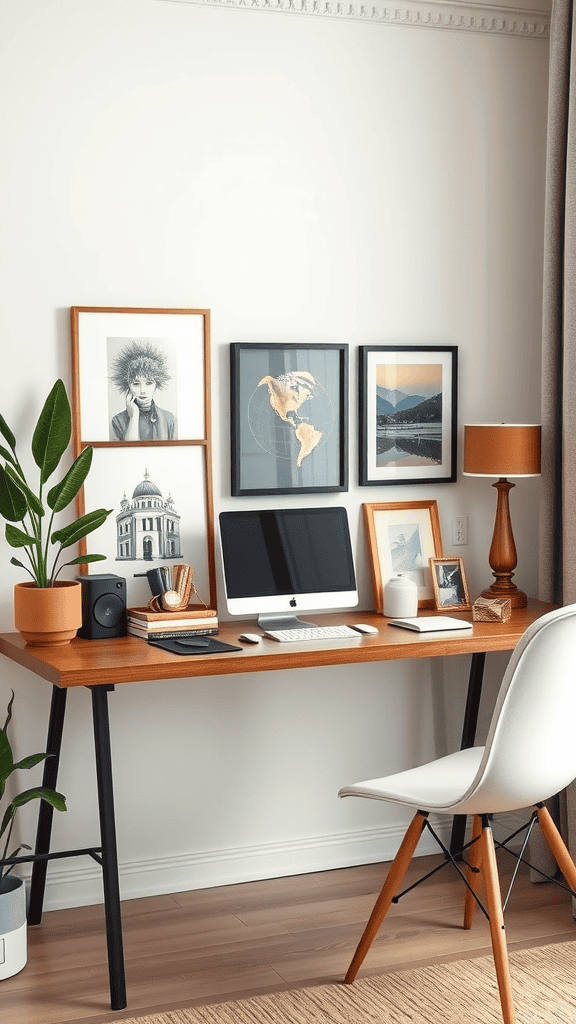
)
(13, 940)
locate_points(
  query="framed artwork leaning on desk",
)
(141, 399)
(449, 583)
(402, 538)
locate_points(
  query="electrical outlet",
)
(460, 530)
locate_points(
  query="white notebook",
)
(432, 624)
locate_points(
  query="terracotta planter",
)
(13, 944)
(48, 616)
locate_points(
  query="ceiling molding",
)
(494, 18)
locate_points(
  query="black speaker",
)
(103, 606)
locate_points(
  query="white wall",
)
(309, 180)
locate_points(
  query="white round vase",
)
(400, 597)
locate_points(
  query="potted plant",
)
(47, 611)
(12, 889)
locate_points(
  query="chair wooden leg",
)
(474, 859)
(497, 932)
(557, 846)
(391, 886)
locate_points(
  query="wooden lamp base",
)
(503, 558)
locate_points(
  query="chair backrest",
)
(530, 751)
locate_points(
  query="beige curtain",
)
(558, 505)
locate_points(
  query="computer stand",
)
(282, 621)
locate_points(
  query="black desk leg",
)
(468, 737)
(46, 812)
(109, 851)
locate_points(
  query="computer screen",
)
(279, 562)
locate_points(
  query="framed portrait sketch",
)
(139, 376)
(289, 418)
(141, 400)
(449, 583)
(402, 538)
(407, 414)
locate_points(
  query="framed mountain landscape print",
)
(408, 414)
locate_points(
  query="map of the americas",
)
(287, 393)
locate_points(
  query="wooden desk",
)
(100, 665)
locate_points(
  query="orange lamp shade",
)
(502, 449)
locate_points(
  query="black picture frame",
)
(428, 449)
(276, 418)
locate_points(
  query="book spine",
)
(144, 615)
(171, 634)
(166, 627)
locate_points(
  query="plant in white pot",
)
(13, 945)
(46, 611)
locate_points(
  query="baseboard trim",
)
(78, 885)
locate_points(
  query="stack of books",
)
(190, 621)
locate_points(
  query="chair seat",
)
(439, 785)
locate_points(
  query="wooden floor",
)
(216, 944)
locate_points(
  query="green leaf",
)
(8, 815)
(85, 559)
(33, 501)
(12, 502)
(7, 455)
(6, 760)
(9, 712)
(81, 528)
(19, 539)
(40, 793)
(32, 760)
(62, 494)
(53, 431)
(7, 433)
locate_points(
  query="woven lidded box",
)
(488, 609)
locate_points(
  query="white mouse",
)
(250, 638)
(363, 628)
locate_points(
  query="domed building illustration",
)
(148, 526)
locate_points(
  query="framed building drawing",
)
(407, 414)
(141, 400)
(289, 418)
(402, 538)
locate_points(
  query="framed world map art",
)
(289, 418)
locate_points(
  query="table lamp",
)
(502, 450)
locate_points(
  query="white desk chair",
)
(530, 755)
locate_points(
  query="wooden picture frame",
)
(402, 538)
(408, 396)
(167, 352)
(289, 418)
(449, 584)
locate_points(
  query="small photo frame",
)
(402, 538)
(289, 418)
(408, 414)
(449, 584)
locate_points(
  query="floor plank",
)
(225, 943)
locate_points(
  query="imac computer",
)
(280, 562)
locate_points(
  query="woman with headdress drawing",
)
(140, 370)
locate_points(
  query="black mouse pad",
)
(213, 647)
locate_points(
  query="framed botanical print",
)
(289, 418)
(402, 538)
(407, 414)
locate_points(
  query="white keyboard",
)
(312, 633)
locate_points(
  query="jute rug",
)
(461, 992)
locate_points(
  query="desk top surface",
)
(128, 659)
